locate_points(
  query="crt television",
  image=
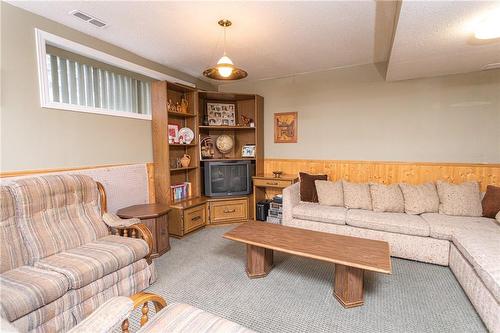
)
(226, 178)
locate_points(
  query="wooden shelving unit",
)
(249, 105)
(197, 211)
(165, 154)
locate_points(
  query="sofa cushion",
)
(308, 191)
(387, 198)
(482, 250)
(57, 213)
(89, 262)
(26, 288)
(491, 201)
(178, 317)
(12, 248)
(420, 199)
(445, 226)
(400, 223)
(459, 199)
(320, 213)
(330, 193)
(357, 195)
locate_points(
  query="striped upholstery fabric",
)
(57, 213)
(49, 316)
(25, 289)
(108, 316)
(126, 287)
(114, 279)
(179, 317)
(12, 249)
(89, 262)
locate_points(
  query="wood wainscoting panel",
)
(390, 172)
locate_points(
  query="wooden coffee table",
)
(351, 255)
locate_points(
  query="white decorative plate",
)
(187, 134)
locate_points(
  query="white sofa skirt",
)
(481, 298)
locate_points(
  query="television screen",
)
(227, 178)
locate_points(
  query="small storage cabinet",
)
(228, 210)
(186, 216)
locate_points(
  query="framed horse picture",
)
(285, 127)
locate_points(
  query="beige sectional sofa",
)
(470, 246)
(59, 260)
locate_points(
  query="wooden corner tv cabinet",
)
(187, 214)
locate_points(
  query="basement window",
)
(74, 77)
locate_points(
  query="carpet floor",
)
(207, 271)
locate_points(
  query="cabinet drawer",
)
(194, 218)
(271, 182)
(228, 211)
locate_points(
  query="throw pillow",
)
(491, 201)
(459, 199)
(308, 188)
(497, 217)
(357, 195)
(387, 198)
(420, 198)
(330, 193)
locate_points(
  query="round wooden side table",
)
(155, 217)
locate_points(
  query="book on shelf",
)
(180, 191)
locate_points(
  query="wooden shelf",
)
(228, 127)
(181, 114)
(182, 144)
(228, 159)
(182, 169)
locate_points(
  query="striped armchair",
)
(60, 260)
(176, 317)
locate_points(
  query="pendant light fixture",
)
(225, 69)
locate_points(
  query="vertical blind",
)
(71, 82)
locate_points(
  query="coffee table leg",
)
(348, 285)
(259, 261)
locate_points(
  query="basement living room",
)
(245, 166)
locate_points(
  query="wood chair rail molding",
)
(390, 172)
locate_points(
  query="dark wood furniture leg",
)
(348, 285)
(259, 261)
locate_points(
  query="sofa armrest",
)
(291, 198)
(106, 317)
(138, 230)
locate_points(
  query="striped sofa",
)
(59, 260)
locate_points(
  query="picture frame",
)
(285, 127)
(173, 133)
(248, 151)
(221, 114)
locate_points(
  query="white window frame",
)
(43, 38)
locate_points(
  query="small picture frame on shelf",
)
(173, 133)
(221, 114)
(248, 151)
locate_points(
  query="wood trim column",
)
(348, 285)
(259, 261)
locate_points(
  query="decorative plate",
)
(186, 135)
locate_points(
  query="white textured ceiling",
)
(274, 39)
(268, 39)
(437, 38)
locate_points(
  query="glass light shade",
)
(225, 66)
(489, 28)
(225, 71)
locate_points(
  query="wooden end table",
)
(155, 217)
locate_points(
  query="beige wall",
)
(354, 114)
(36, 138)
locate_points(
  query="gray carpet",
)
(207, 271)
